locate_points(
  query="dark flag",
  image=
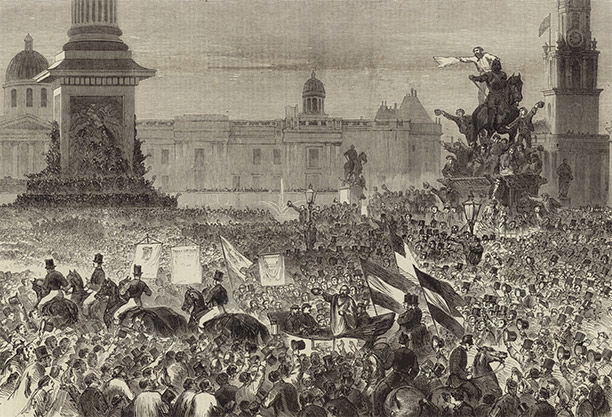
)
(387, 288)
(544, 26)
(442, 301)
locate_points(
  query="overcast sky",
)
(364, 51)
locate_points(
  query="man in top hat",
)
(95, 283)
(293, 322)
(458, 361)
(54, 281)
(508, 404)
(410, 318)
(216, 300)
(132, 290)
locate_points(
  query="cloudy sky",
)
(249, 58)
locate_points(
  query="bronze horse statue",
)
(61, 311)
(161, 321)
(506, 112)
(237, 326)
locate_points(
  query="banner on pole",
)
(148, 255)
(272, 270)
(186, 267)
(344, 195)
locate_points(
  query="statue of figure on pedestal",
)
(564, 171)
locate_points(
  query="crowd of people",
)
(540, 295)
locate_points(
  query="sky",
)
(248, 59)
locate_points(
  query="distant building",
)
(212, 152)
(27, 111)
(571, 127)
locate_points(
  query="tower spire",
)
(29, 43)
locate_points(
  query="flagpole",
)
(371, 295)
(549, 32)
(227, 267)
(426, 303)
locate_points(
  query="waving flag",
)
(387, 288)
(544, 26)
(445, 61)
(235, 260)
(442, 301)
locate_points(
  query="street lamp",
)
(471, 210)
(311, 195)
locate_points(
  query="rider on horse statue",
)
(132, 290)
(54, 281)
(497, 83)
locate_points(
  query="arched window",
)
(43, 97)
(13, 98)
(29, 97)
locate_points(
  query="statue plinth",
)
(565, 202)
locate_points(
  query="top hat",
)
(467, 338)
(509, 336)
(121, 333)
(98, 258)
(169, 395)
(466, 285)
(606, 355)
(41, 352)
(532, 289)
(137, 270)
(438, 370)
(49, 264)
(218, 276)
(411, 299)
(522, 324)
(527, 344)
(548, 364)
(154, 352)
(497, 285)
(298, 345)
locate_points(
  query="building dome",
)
(313, 87)
(26, 64)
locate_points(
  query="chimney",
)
(415, 92)
(395, 106)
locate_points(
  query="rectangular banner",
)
(344, 195)
(148, 255)
(272, 270)
(186, 267)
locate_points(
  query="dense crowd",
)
(537, 290)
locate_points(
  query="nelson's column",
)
(94, 81)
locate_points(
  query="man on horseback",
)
(132, 291)
(216, 300)
(95, 283)
(497, 84)
(55, 282)
(458, 361)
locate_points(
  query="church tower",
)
(572, 108)
(94, 83)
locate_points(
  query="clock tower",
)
(572, 107)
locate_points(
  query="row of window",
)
(30, 97)
(313, 157)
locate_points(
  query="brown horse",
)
(483, 382)
(61, 311)
(161, 321)
(236, 326)
(507, 111)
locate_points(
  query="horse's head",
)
(485, 356)
(515, 89)
(192, 296)
(38, 285)
(108, 289)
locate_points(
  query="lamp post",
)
(471, 210)
(310, 231)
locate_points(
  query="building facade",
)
(571, 129)
(24, 124)
(213, 152)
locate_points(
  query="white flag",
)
(445, 61)
(148, 255)
(272, 270)
(186, 267)
(234, 259)
(344, 195)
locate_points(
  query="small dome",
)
(26, 64)
(313, 87)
